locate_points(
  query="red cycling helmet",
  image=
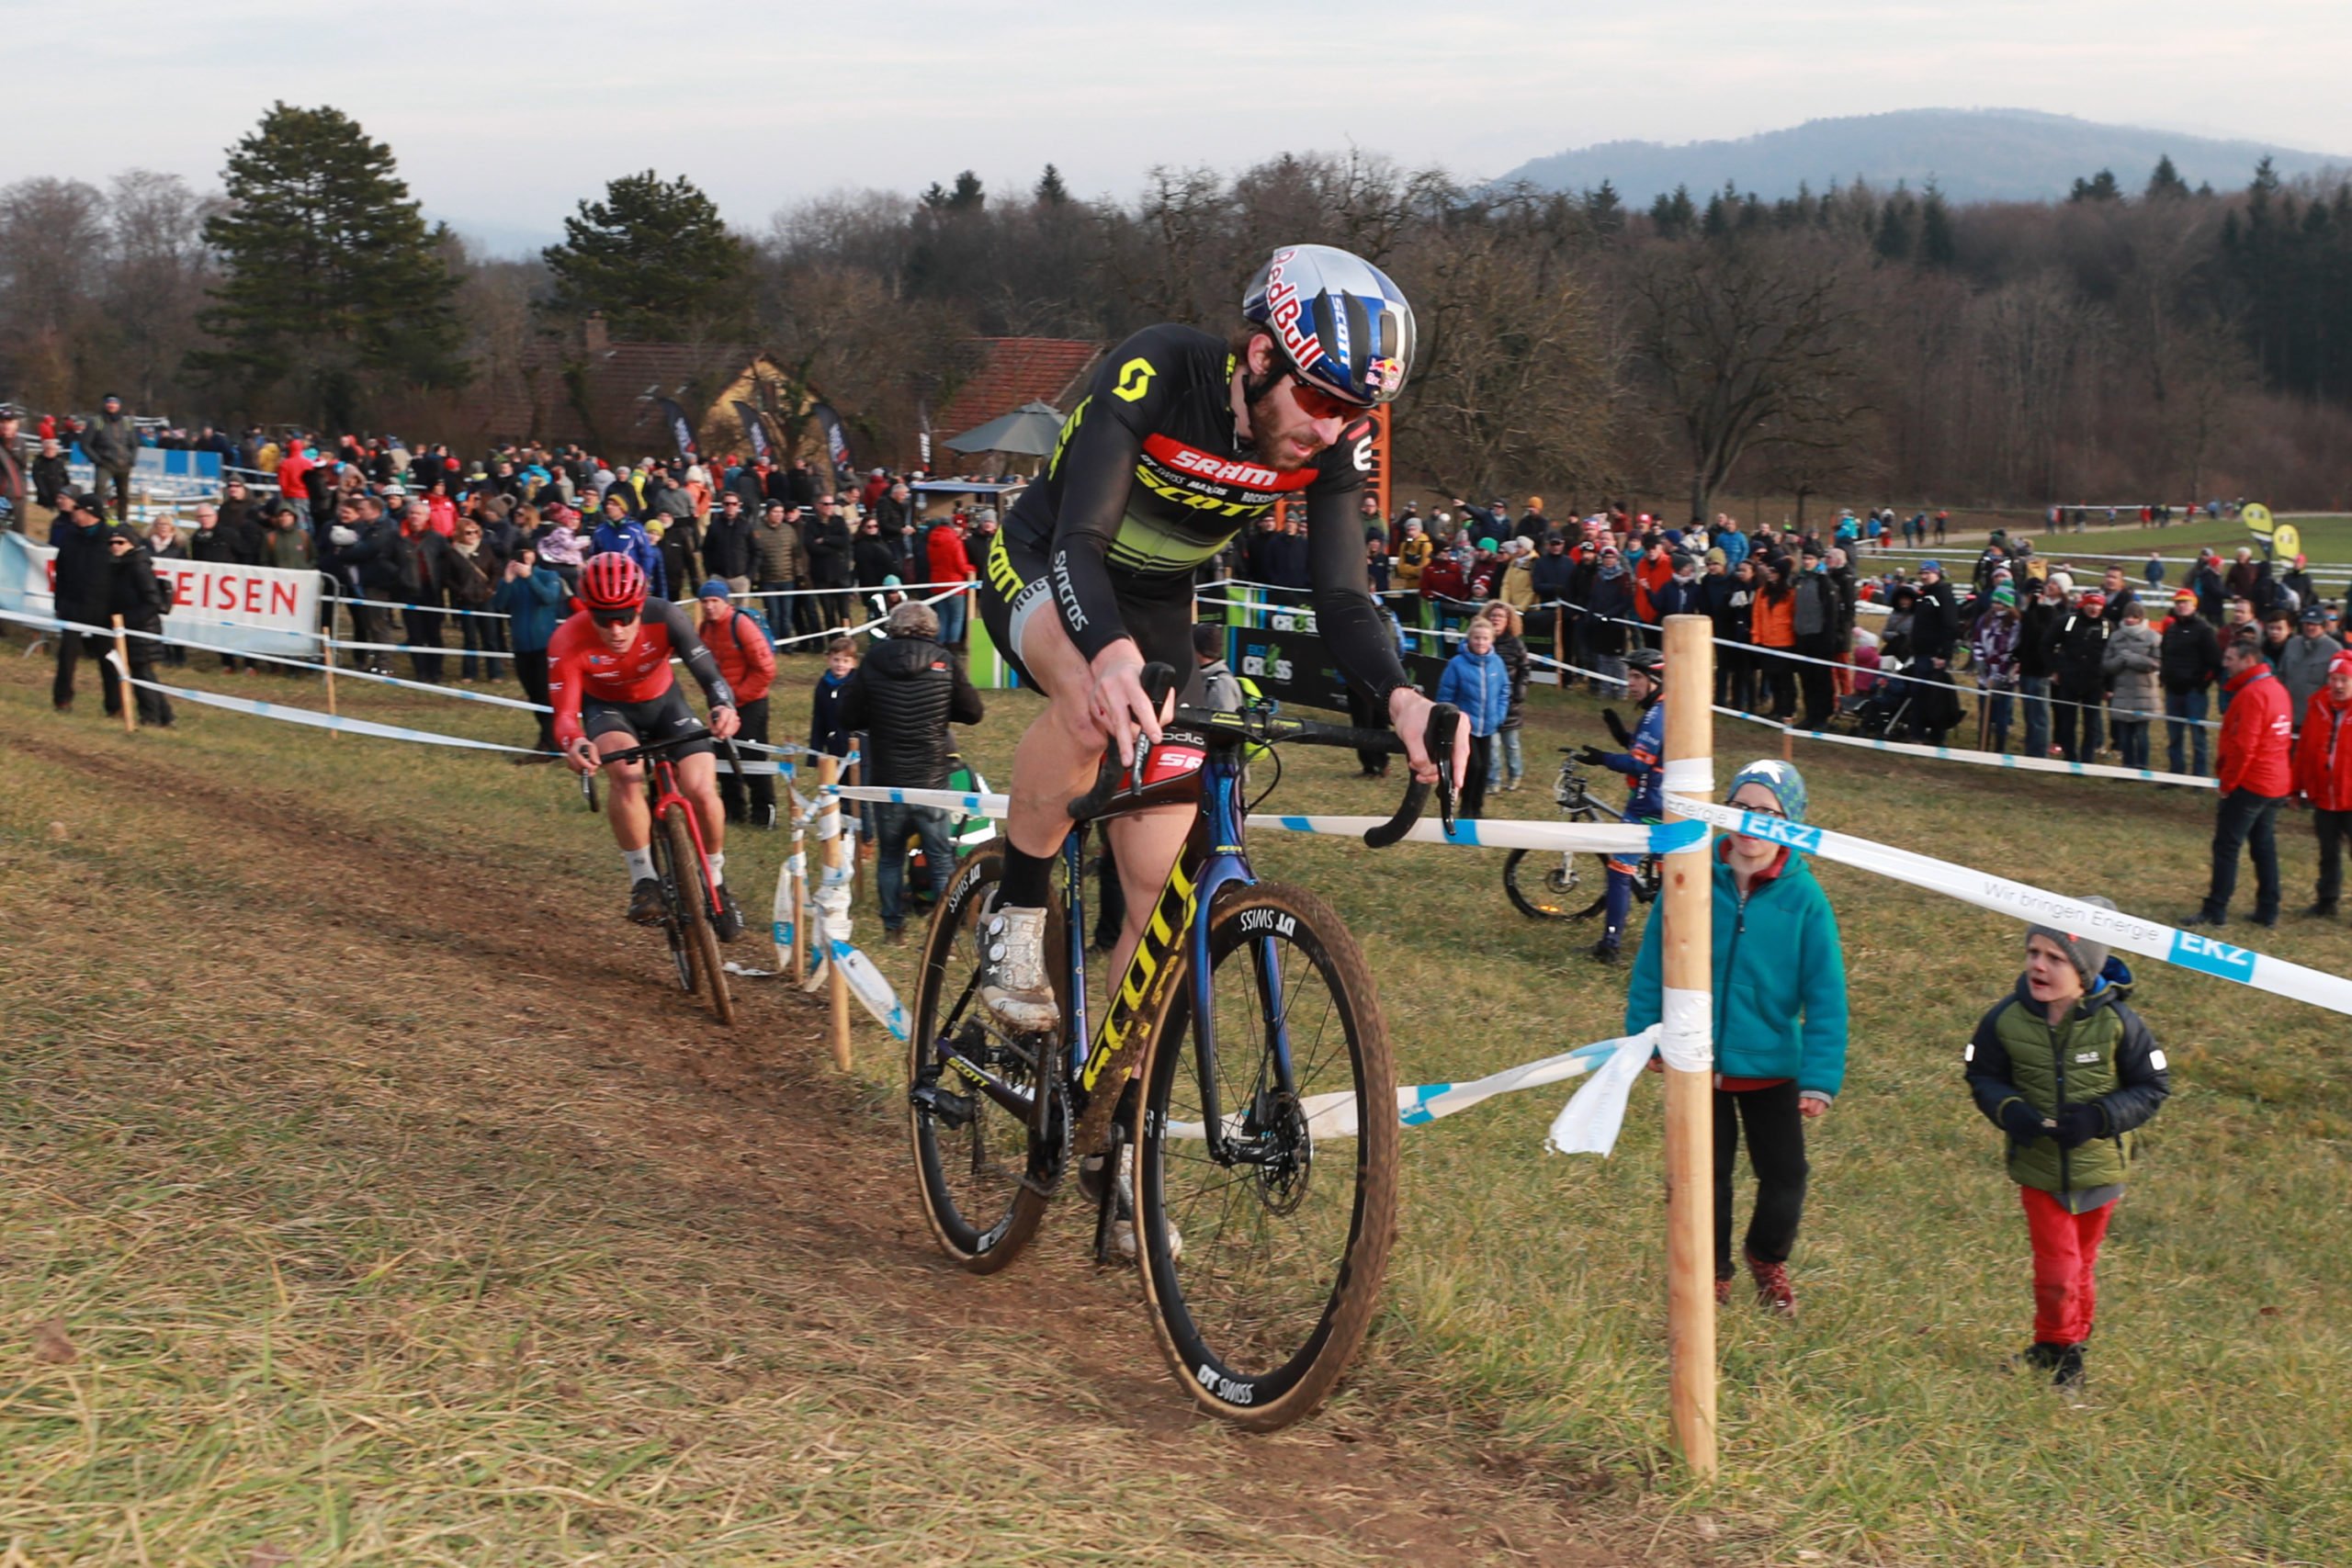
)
(612, 581)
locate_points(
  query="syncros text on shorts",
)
(1016, 584)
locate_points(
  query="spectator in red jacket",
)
(947, 561)
(2258, 775)
(748, 661)
(2323, 777)
(293, 480)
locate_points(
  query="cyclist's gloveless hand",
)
(1117, 700)
(1408, 714)
(725, 722)
(580, 757)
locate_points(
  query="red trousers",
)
(2066, 1251)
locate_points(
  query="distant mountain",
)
(1972, 154)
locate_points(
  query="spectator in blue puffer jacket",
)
(1477, 682)
(1779, 988)
(621, 534)
(533, 593)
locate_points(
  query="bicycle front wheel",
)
(702, 940)
(670, 871)
(1263, 1251)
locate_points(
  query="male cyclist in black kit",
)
(1182, 442)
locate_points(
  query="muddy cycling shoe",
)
(729, 923)
(645, 902)
(1012, 973)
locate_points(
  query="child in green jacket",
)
(2068, 1070)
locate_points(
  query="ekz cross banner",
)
(237, 609)
(1287, 660)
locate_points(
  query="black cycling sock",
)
(1028, 879)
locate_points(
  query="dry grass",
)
(365, 1197)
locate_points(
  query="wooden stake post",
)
(836, 849)
(326, 651)
(122, 677)
(1687, 906)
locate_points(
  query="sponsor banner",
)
(165, 476)
(236, 609)
(2130, 933)
(1284, 654)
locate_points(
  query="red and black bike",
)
(681, 865)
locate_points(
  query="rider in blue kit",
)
(1644, 764)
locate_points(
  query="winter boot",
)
(1773, 1292)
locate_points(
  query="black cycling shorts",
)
(656, 719)
(1016, 584)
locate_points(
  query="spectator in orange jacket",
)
(2323, 777)
(748, 661)
(2258, 775)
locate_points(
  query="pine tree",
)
(1051, 192)
(332, 287)
(1893, 241)
(1674, 216)
(1716, 224)
(654, 257)
(1936, 245)
(2166, 184)
(969, 195)
(2100, 187)
(1604, 208)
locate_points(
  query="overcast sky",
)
(502, 114)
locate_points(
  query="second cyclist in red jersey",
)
(609, 682)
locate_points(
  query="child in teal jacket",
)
(1779, 991)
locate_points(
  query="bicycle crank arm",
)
(1016, 1100)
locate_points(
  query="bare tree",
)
(52, 256)
(1751, 343)
(155, 288)
(1517, 383)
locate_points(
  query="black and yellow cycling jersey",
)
(1149, 480)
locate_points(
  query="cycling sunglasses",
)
(614, 618)
(1317, 403)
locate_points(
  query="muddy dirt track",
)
(584, 1054)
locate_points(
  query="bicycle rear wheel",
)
(702, 939)
(971, 1154)
(1262, 1267)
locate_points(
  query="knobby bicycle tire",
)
(1554, 892)
(1259, 1338)
(702, 937)
(666, 873)
(971, 1178)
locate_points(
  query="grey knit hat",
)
(2089, 955)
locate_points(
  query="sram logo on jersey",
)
(1192, 463)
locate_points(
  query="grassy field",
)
(365, 1198)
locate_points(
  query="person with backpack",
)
(903, 696)
(747, 658)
